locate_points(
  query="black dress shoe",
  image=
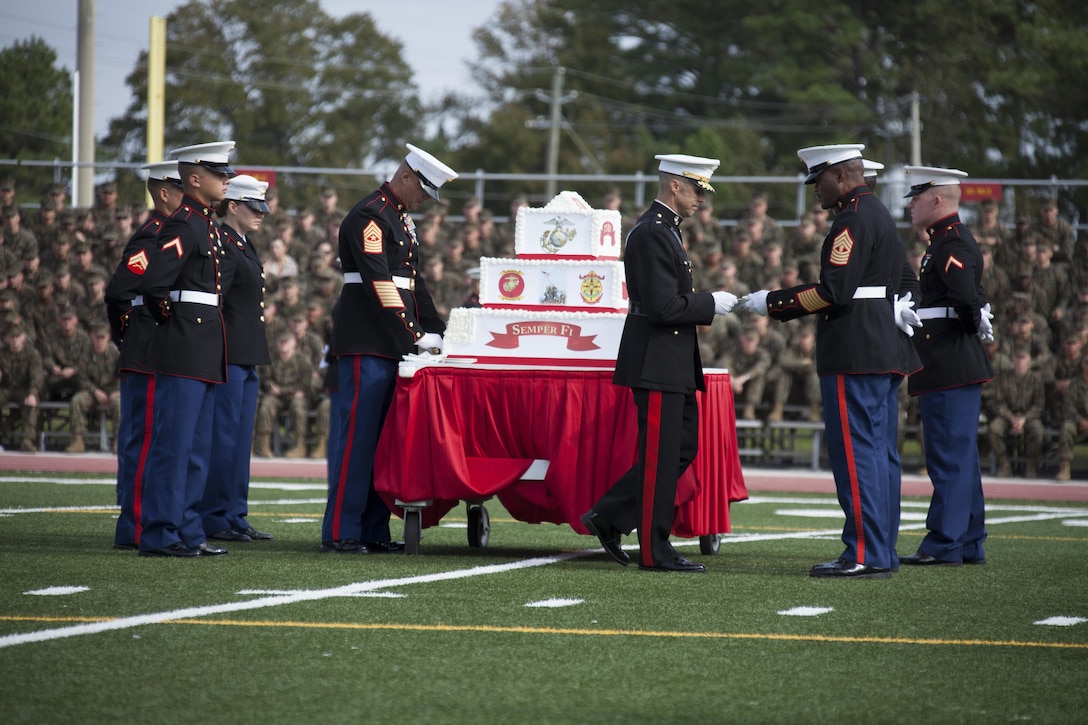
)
(126, 547)
(178, 549)
(231, 535)
(207, 549)
(838, 563)
(608, 535)
(344, 546)
(678, 564)
(257, 535)
(846, 569)
(921, 558)
(384, 547)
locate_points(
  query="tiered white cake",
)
(562, 301)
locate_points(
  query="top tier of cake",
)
(567, 228)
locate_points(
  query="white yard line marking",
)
(1061, 621)
(58, 591)
(348, 590)
(114, 507)
(806, 611)
(553, 603)
(268, 485)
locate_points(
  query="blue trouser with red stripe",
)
(354, 510)
(645, 496)
(177, 464)
(225, 503)
(861, 419)
(133, 444)
(957, 511)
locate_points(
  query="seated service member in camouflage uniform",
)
(659, 360)
(132, 327)
(859, 357)
(98, 386)
(22, 380)
(286, 383)
(188, 354)
(955, 318)
(385, 311)
(1075, 419)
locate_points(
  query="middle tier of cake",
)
(567, 285)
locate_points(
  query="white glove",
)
(985, 327)
(724, 302)
(755, 302)
(431, 342)
(906, 319)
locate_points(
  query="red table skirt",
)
(466, 433)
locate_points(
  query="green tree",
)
(998, 81)
(36, 114)
(292, 85)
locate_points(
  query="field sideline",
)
(540, 626)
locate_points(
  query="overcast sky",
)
(436, 35)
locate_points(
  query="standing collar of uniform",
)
(197, 206)
(676, 219)
(854, 193)
(943, 225)
(231, 231)
(388, 191)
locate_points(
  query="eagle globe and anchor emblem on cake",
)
(554, 239)
(511, 285)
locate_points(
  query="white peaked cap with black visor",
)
(818, 159)
(923, 178)
(248, 190)
(163, 171)
(214, 156)
(432, 173)
(696, 168)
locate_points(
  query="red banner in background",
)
(970, 191)
(268, 175)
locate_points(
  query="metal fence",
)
(790, 198)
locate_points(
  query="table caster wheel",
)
(479, 527)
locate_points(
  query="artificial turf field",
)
(538, 627)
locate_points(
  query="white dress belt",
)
(937, 313)
(870, 293)
(401, 282)
(198, 298)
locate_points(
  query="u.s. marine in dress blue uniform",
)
(132, 328)
(861, 357)
(181, 290)
(225, 503)
(659, 360)
(383, 313)
(955, 366)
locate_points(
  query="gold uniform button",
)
(199, 320)
(262, 304)
(262, 318)
(411, 324)
(676, 332)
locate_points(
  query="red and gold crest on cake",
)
(592, 287)
(511, 285)
(608, 235)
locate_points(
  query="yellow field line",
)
(580, 632)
